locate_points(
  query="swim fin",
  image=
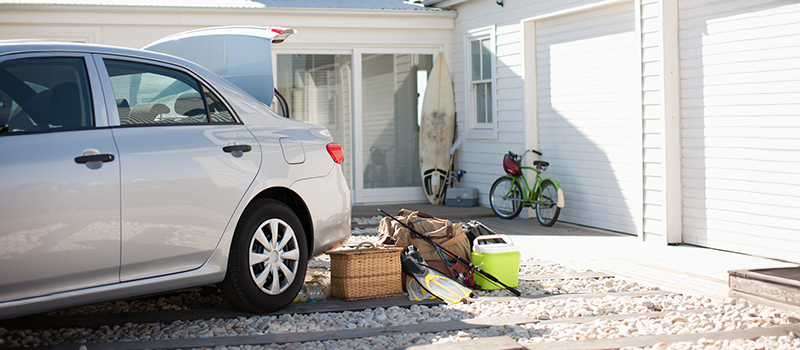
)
(414, 290)
(435, 282)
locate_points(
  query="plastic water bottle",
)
(315, 290)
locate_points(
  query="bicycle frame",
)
(529, 194)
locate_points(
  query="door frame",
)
(377, 195)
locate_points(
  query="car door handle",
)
(233, 148)
(94, 158)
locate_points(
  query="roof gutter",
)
(442, 3)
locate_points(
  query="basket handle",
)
(366, 243)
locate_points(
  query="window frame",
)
(110, 99)
(480, 130)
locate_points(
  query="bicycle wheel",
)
(505, 197)
(547, 211)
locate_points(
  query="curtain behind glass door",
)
(318, 89)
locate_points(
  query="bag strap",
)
(411, 223)
(425, 215)
(406, 212)
(448, 243)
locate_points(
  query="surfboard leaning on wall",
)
(436, 130)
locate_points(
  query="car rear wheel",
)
(268, 258)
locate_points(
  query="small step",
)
(776, 287)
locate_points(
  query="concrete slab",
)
(781, 285)
(452, 213)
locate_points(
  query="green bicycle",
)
(507, 196)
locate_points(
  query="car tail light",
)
(510, 166)
(282, 30)
(336, 152)
(283, 33)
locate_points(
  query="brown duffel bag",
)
(445, 233)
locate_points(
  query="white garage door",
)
(589, 119)
(740, 87)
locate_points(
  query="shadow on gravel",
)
(531, 227)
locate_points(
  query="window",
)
(42, 94)
(153, 95)
(480, 57)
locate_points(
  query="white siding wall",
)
(481, 156)
(652, 119)
(740, 84)
(588, 112)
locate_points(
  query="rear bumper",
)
(330, 209)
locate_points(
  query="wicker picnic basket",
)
(366, 272)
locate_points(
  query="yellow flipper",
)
(445, 288)
(415, 290)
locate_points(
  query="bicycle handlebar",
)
(517, 157)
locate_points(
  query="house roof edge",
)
(273, 10)
(442, 3)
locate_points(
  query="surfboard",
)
(436, 129)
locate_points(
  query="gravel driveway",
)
(554, 311)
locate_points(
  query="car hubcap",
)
(274, 256)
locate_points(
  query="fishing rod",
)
(439, 252)
(466, 262)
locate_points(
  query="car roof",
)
(8, 47)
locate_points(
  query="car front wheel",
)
(268, 258)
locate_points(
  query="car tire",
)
(268, 258)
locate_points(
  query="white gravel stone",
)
(375, 220)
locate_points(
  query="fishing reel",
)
(459, 174)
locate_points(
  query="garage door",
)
(589, 119)
(740, 87)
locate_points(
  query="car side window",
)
(44, 94)
(219, 114)
(152, 95)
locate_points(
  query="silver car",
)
(129, 172)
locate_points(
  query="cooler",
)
(499, 257)
(461, 197)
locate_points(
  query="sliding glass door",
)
(392, 86)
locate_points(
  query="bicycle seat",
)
(540, 163)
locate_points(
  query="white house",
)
(674, 120)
